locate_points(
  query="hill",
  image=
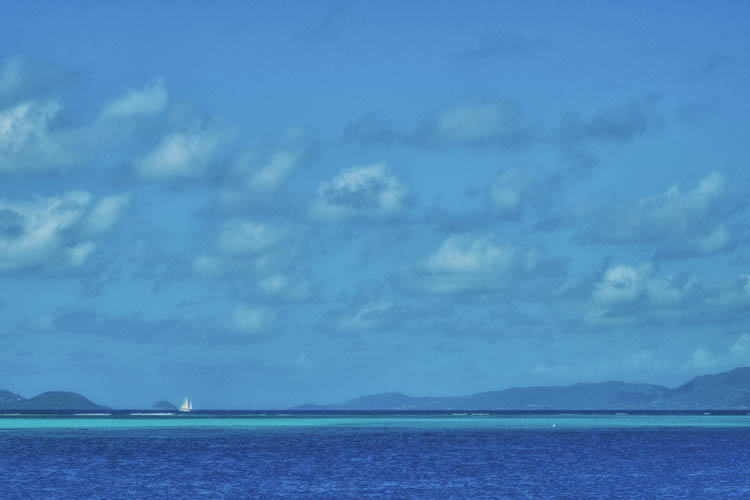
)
(163, 405)
(54, 400)
(723, 391)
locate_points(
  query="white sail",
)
(186, 405)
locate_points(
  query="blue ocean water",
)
(236, 455)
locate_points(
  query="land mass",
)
(53, 400)
(722, 391)
(163, 405)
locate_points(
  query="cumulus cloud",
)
(78, 253)
(512, 189)
(476, 264)
(251, 320)
(619, 124)
(241, 236)
(29, 141)
(183, 155)
(629, 295)
(703, 359)
(106, 211)
(682, 223)
(363, 191)
(626, 294)
(474, 124)
(207, 265)
(285, 286)
(741, 347)
(147, 101)
(259, 173)
(46, 232)
(469, 124)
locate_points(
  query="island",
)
(53, 400)
(722, 391)
(163, 405)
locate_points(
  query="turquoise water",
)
(468, 421)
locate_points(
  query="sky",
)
(265, 204)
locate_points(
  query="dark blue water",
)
(376, 461)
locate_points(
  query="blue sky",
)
(263, 204)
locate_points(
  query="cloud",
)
(241, 236)
(500, 45)
(48, 232)
(618, 124)
(703, 359)
(251, 320)
(372, 129)
(362, 191)
(741, 347)
(183, 155)
(29, 139)
(106, 212)
(714, 64)
(480, 123)
(148, 101)
(639, 295)
(207, 265)
(513, 189)
(476, 264)
(688, 223)
(259, 173)
(474, 124)
(284, 286)
(33, 231)
(78, 253)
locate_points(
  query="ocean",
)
(380, 455)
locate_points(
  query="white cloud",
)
(685, 223)
(283, 286)
(247, 237)
(27, 142)
(470, 263)
(55, 232)
(251, 320)
(474, 124)
(78, 253)
(510, 190)
(741, 348)
(703, 359)
(32, 232)
(106, 212)
(369, 190)
(620, 284)
(207, 265)
(260, 172)
(367, 317)
(180, 156)
(148, 101)
(627, 295)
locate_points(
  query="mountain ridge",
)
(50, 400)
(728, 390)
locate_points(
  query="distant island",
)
(723, 391)
(163, 405)
(54, 400)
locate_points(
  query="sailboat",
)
(187, 405)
